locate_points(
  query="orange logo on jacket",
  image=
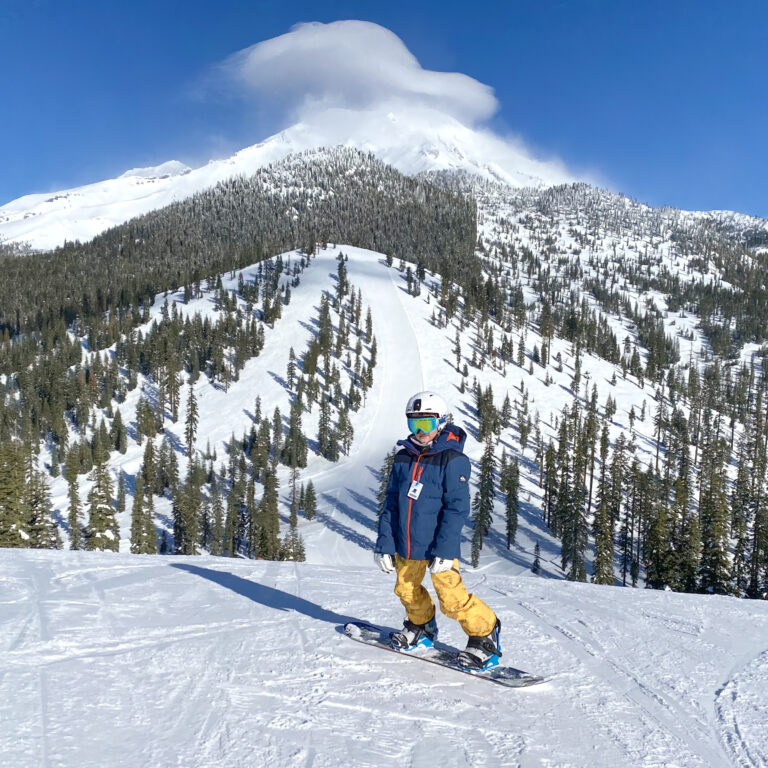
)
(452, 436)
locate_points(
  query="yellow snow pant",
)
(475, 617)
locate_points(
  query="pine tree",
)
(482, 507)
(684, 523)
(149, 470)
(121, 492)
(117, 433)
(39, 526)
(277, 436)
(384, 472)
(325, 428)
(536, 567)
(345, 431)
(510, 485)
(550, 486)
(217, 512)
(102, 531)
(290, 373)
(714, 514)
(269, 520)
(71, 469)
(657, 549)
(190, 428)
(187, 532)
(741, 512)
(294, 451)
(457, 350)
(602, 526)
(310, 501)
(137, 516)
(230, 539)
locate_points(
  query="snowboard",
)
(440, 654)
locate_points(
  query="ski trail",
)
(742, 712)
(666, 717)
(346, 532)
(42, 579)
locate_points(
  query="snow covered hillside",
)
(412, 354)
(118, 660)
(415, 350)
(413, 141)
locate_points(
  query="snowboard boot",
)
(414, 635)
(482, 651)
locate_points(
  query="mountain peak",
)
(162, 171)
(412, 139)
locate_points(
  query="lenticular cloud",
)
(354, 64)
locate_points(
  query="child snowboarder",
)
(427, 503)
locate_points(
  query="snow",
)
(171, 168)
(119, 660)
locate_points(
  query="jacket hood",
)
(450, 437)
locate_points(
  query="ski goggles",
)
(425, 424)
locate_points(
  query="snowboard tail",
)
(441, 654)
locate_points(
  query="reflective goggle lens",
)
(424, 424)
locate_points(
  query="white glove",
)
(384, 562)
(440, 564)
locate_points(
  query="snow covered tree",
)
(42, 531)
(143, 536)
(102, 531)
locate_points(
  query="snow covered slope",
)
(413, 141)
(413, 353)
(118, 660)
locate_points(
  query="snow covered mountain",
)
(413, 142)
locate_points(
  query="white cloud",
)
(353, 64)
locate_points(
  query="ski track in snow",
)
(742, 710)
(118, 660)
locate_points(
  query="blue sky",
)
(665, 101)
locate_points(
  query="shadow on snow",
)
(267, 596)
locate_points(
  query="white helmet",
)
(427, 402)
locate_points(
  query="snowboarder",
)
(427, 503)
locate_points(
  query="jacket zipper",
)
(414, 479)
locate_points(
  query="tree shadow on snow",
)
(368, 502)
(279, 379)
(267, 596)
(350, 512)
(345, 531)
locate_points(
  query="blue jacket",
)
(429, 526)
